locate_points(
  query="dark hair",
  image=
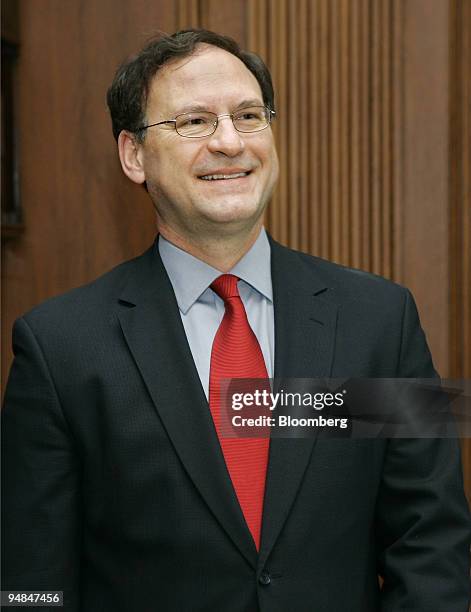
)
(127, 96)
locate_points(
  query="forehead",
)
(210, 77)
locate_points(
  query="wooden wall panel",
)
(460, 201)
(423, 233)
(225, 17)
(188, 14)
(460, 188)
(335, 69)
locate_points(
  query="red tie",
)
(236, 353)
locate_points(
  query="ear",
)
(130, 156)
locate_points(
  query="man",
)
(120, 489)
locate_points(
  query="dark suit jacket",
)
(115, 488)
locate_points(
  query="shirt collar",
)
(190, 277)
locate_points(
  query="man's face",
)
(189, 205)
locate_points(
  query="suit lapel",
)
(154, 332)
(305, 326)
(305, 323)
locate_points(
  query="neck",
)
(221, 252)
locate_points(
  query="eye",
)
(196, 124)
(193, 120)
(248, 115)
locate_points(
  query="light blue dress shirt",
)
(202, 310)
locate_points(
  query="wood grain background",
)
(373, 129)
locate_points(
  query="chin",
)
(233, 211)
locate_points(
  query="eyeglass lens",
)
(203, 123)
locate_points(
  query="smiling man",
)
(208, 157)
(120, 489)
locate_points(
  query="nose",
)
(226, 139)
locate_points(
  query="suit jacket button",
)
(265, 578)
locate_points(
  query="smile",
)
(223, 177)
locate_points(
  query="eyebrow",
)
(195, 107)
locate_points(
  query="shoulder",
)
(87, 303)
(340, 283)
(376, 319)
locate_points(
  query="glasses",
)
(199, 124)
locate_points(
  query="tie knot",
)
(226, 286)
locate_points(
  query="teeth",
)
(219, 177)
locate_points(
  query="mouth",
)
(224, 176)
